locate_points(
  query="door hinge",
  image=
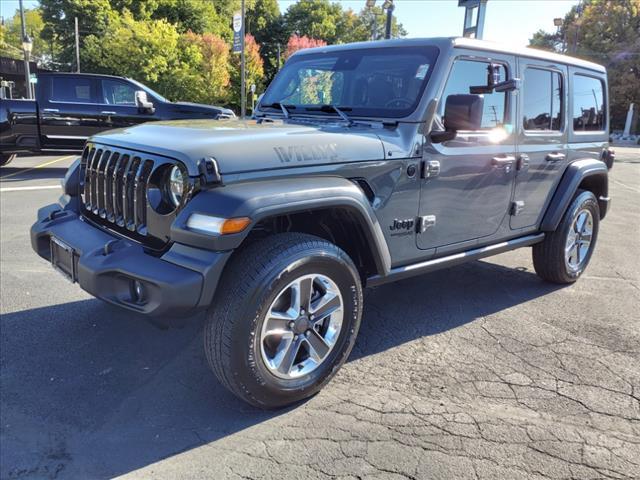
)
(425, 222)
(430, 169)
(517, 207)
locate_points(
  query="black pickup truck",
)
(70, 107)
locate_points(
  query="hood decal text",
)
(307, 153)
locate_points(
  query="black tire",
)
(549, 255)
(6, 159)
(253, 280)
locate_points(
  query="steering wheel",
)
(399, 102)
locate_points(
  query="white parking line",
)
(39, 187)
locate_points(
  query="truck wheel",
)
(565, 253)
(5, 159)
(284, 320)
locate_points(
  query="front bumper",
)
(178, 283)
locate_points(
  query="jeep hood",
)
(241, 146)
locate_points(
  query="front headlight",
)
(176, 186)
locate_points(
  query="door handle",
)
(555, 157)
(108, 113)
(50, 110)
(502, 161)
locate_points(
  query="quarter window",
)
(542, 100)
(468, 73)
(70, 89)
(588, 104)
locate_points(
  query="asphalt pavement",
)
(479, 371)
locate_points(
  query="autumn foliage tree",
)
(297, 42)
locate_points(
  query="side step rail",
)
(407, 271)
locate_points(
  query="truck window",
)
(542, 100)
(467, 73)
(72, 89)
(118, 93)
(588, 104)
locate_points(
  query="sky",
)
(510, 21)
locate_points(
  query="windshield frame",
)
(430, 52)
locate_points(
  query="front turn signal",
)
(216, 225)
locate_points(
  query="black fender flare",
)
(262, 199)
(573, 176)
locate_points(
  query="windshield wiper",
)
(332, 108)
(285, 108)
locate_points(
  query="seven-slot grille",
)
(115, 186)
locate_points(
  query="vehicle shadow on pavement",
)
(95, 392)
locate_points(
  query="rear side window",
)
(542, 100)
(588, 104)
(70, 89)
(468, 73)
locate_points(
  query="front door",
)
(467, 185)
(542, 139)
(118, 105)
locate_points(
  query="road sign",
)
(237, 32)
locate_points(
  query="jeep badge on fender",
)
(363, 164)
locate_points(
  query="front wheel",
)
(565, 253)
(6, 158)
(285, 319)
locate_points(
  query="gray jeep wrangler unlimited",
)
(363, 164)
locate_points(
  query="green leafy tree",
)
(266, 24)
(607, 33)
(193, 15)
(319, 19)
(11, 43)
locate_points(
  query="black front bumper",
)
(178, 283)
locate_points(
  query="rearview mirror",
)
(461, 112)
(143, 103)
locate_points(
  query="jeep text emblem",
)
(307, 153)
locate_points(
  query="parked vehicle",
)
(365, 164)
(70, 107)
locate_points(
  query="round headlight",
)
(176, 185)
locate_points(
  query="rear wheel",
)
(285, 319)
(565, 253)
(6, 158)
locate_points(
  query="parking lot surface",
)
(480, 371)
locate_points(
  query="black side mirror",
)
(143, 103)
(461, 112)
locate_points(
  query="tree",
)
(315, 19)
(607, 33)
(192, 15)
(266, 24)
(209, 77)
(11, 44)
(296, 43)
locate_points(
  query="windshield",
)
(150, 91)
(372, 82)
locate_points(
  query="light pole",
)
(390, 7)
(27, 46)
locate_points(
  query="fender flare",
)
(573, 176)
(262, 199)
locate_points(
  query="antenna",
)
(473, 17)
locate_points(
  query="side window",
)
(542, 100)
(72, 89)
(588, 104)
(467, 73)
(118, 93)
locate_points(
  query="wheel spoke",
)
(278, 321)
(586, 237)
(318, 348)
(325, 306)
(580, 222)
(577, 253)
(284, 361)
(302, 295)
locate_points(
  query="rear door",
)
(468, 198)
(118, 105)
(68, 111)
(542, 139)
